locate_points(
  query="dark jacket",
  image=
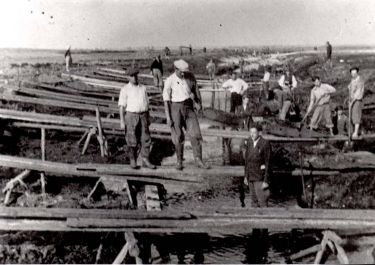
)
(245, 117)
(193, 85)
(157, 65)
(255, 158)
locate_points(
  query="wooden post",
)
(121, 256)
(43, 148)
(43, 143)
(100, 136)
(225, 100)
(213, 95)
(91, 132)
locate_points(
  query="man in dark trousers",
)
(134, 101)
(157, 72)
(329, 51)
(180, 96)
(257, 153)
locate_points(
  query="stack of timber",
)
(195, 221)
(67, 100)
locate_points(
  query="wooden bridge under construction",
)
(95, 102)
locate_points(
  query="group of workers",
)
(182, 99)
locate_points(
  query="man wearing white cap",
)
(179, 101)
(68, 59)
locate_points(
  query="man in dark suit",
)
(257, 153)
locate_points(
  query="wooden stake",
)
(92, 132)
(100, 136)
(121, 256)
(43, 143)
(12, 183)
(320, 253)
(43, 149)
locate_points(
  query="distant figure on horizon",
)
(167, 52)
(68, 59)
(329, 53)
(242, 66)
(211, 69)
(157, 72)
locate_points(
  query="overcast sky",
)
(118, 24)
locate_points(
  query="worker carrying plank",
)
(356, 91)
(133, 99)
(320, 98)
(180, 97)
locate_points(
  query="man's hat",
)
(181, 65)
(132, 71)
(354, 68)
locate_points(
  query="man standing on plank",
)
(257, 155)
(133, 99)
(157, 72)
(237, 87)
(179, 101)
(319, 99)
(356, 91)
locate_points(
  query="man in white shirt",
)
(237, 87)
(320, 98)
(179, 101)
(356, 91)
(211, 69)
(287, 83)
(266, 81)
(133, 99)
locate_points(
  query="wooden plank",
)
(204, 224)
(57, 103)
(64, 213)
(274, 218)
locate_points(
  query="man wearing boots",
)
(179, 100)
(133, 99)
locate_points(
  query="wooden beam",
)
(271, 218)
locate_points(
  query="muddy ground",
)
(349, 190)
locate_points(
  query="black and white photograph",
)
(187, 132)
